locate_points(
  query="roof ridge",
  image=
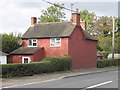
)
(52, 22)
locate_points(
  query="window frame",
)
(32, 41)
(55, 42)
(29, 60)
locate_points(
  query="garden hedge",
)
(108, 63)
(51, 64)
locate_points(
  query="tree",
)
(53, 13)
(103, 25)
(9, 42)
(118, 23)
(104, 44)
(88, 17)
(117, 34)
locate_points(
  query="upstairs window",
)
(32, 42)
(55, 42)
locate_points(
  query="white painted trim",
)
(29, 60)
(32, 43)
(55, 42)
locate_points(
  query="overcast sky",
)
(15, 15)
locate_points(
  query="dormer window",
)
(32, 42)
(55, 42)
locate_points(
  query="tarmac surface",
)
(8, 83)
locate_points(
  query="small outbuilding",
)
(3, 58)
(100, 56)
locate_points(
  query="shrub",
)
(52, 64)
(62, 63)
(108, 63)
(16, 70)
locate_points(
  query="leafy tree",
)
(104, 44)
(118, 23)
(53, 13)
(118, 35)
(103, 25)
(88, 17)
(105, 38)
(9, 42)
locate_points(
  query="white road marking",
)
(99, 84)
(31, 83)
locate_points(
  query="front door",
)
(26, 60)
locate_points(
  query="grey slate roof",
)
(88, 36)
(49, 30)
(60, 29)
(25, 50)
(3, 54)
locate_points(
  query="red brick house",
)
(57, 39)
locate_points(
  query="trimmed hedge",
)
(53, 64)
(108, 63)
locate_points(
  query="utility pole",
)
(113, 38)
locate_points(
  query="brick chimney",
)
(33, 20)
(76, 18)
(83, 24)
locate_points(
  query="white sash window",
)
(32, 43)
(55, 42)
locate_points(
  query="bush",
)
(108, 63)
(62, 63)
(52, 64)
(16, 70)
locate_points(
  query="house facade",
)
(57, 39)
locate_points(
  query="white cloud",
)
(13, 18)
(15, 14)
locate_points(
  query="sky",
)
(15, 15)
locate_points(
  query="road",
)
(97, 80)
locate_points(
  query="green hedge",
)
(52, 64)
(108, 63)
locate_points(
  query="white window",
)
(26, 60)
(55, 42)
(32, 42)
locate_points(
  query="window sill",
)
(32, 46)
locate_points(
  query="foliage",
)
(52, 65)
(117, 20)
(53, 13)
(104, 44)
(103, 25)
(118, 34)
(9, 42)
(88, 17)
(108, 63)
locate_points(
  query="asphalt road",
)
(97, 80)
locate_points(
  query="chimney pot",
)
(33, 20)
(76, 10)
